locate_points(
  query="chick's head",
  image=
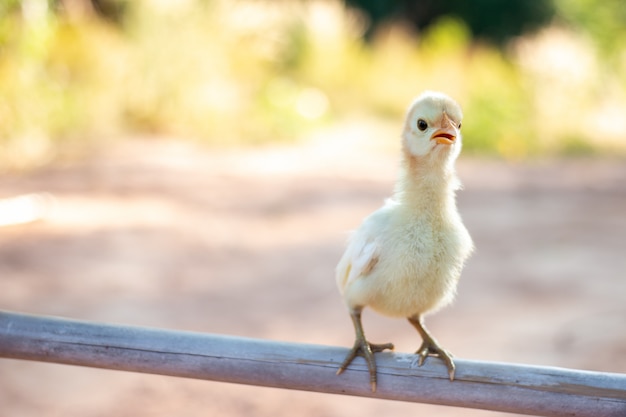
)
(432, 126)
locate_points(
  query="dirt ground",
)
(167, 234)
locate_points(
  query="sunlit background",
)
(196, 165)
(536, 77)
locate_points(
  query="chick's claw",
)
(381, 347)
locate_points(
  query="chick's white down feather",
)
(406, 258)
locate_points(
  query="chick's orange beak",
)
(445, 136)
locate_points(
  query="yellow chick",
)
(406, 258)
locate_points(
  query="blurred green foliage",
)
(73, 72)
(605, 24)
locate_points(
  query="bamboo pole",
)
(505, 387)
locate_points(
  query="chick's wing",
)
(363, 250)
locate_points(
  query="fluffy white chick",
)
(406, 258)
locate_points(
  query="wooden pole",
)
(506, 387)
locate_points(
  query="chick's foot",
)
(365, 349)
(430, 347)
(433, 349)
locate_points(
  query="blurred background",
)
(197, 165)
(537, 77)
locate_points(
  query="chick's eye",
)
(460, 125)
(422, 125)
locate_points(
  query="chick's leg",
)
(431, 347)
(363, 348)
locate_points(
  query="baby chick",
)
(406, 258)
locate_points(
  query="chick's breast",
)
(417, 265)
